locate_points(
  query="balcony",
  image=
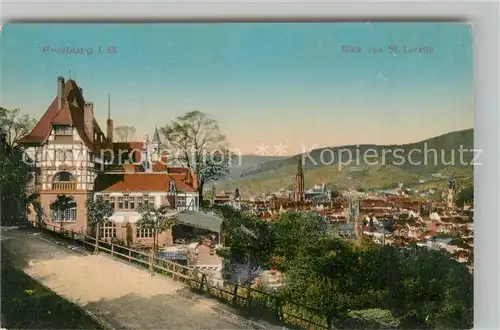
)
(114, 168)
(64, 186)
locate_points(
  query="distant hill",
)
(364, 166)
(248, 164)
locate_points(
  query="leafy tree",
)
(297, 233)
(200, 146)
(245, 236)
(61, 205)
(155, 219)
(14, 170)
(374, 286)
(98, 212)
(465, 195)
(123, 133)
(372, 319)
(14, 176)
(432, 290)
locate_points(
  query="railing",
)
(122, 168)
(254, 301)
(64, 186)
(113, 168)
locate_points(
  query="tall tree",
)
(297, 233)
(199, 144)
(14, 171)
(98, 211)
(15, 125)
(124, 133)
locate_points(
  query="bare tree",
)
(124, 133)
(200, 146)
(15, 125)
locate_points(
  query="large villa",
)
(72, 156)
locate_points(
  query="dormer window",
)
(63, 130)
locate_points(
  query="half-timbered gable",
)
(64, 148)
(71, 156)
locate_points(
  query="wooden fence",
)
(255, 301)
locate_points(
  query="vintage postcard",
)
(310, 175)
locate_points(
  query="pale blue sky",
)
(263, 82)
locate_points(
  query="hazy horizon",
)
(361, 144)
(269, 83)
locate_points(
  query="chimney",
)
(109, 122)
(60, 92)
(88, 117)
(109, 130)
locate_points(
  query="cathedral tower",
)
(298, 187)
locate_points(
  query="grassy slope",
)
(273, 175)
(26, 304)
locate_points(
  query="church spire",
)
(109, 122)
(156, 137)
(298, 187)
(300, 170)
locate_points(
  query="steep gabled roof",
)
(71, 113)
(156, 137)
(63, 116)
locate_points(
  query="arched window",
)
(107, 230)
(63, 177)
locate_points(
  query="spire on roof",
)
(109, 105)
(300, 170)
(156, 137)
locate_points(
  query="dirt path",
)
(122, 295)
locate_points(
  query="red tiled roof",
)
(177, 169)
(141, 182)
(63, 117)
(159, 167)
(71, 113)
